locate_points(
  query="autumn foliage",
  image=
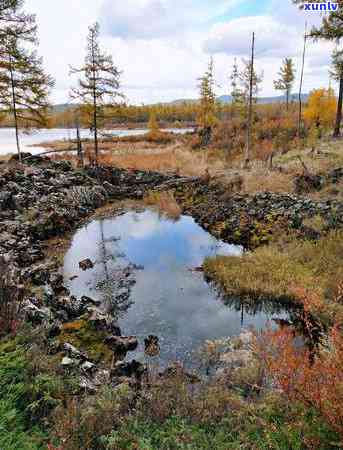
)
(321, 108)
(316, 382)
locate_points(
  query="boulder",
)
(128, 369)
(121, 344)
(86, 264)
(152, 347)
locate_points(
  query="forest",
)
(171, 273)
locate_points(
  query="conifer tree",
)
(246, 76)
(98, 85)
(331, 29)
(237, 96)
(206, 115)
(24, 87)
(286, 79)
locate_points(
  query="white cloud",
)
(234, 37)
(148, 19)
(163, 46)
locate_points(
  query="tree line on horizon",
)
(25, 87)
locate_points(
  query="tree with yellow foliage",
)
(153, 123)
(321, 108)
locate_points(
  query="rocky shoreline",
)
(48, 199)
(252, 220)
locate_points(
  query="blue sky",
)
(163, 46)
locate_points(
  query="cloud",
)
(163, 46)
(149, 19)
(273, 39)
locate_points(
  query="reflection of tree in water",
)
(115, 284)
(303, 323)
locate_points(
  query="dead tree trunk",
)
(337, 131)
(301, 84)
(14, 105)
(249, 127)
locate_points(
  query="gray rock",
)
(86, 264)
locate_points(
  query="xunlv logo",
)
(321, 6)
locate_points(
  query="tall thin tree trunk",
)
(95, 115)
(337, 131)
(249, 127)
(301, 83)
(79, 143)
(95, 120)
(14, 105)
(287, 100)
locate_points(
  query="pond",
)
(8, 143)
(144, 273)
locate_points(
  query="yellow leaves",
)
(321, 108)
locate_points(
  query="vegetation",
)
(288, 394)
(99, 85)
(331, 29)
(24, 87)
(278, 270)
(286, 79)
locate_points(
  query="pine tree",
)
(286, 79)
(98, 85)
(331, 29)
(24, 87)
(207, 108)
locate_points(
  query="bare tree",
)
(98, 85)
(250, 111)
(301, 83)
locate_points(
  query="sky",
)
(164, 46)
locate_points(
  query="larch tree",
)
(237, 96)
(248, 76)
(331, 29)
(321, 108)
(286, 79)
(24, 86)
(98, 84)
(207, 107)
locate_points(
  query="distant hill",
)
(223, 99)
(265, 100)
(62, 107)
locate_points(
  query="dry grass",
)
(274, 272)
(170, 159)
(165, 203)
(262, 179)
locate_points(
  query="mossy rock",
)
(85, 338)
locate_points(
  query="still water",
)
(159, 294)
(8, 143)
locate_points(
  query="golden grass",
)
(165, 203)
(171, 159)
(262, 179)
(274, 272)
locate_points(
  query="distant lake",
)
(8, 144)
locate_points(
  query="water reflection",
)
(142, 274)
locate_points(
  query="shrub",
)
(11, 297)
(318, 383)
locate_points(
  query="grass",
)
(274, 272)
(165, 203)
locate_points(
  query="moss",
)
(84, 337)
